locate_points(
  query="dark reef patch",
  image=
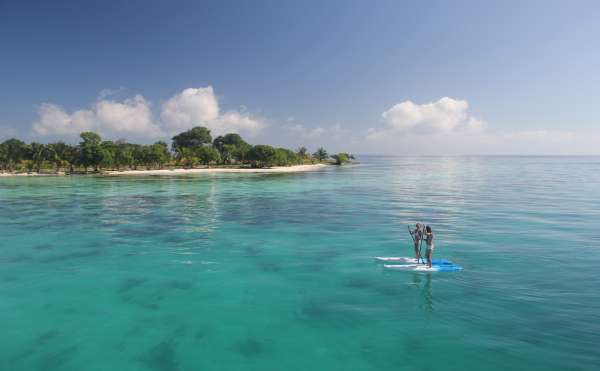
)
(161, 357)
(72, 255)
(55, 360)
(129, 284)
(178, 285)
(269, 267)
(46, 336)
(249, 347)
(330, 313)
(20, 259)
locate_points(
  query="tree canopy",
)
(194, 137)
(189, 148)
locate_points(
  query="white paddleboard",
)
(424, 267)
(402, 259)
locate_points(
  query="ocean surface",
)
(276, 271)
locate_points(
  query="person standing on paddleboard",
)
(417, 235)
(429, 242)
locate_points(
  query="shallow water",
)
(276, 271)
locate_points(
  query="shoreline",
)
(274, 169)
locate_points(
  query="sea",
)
(277, 271)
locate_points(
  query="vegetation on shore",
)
(188, 149)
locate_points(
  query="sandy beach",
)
(275, 169)
(60, 173)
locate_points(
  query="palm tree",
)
(320, 154)
(56, 153)
(38, 153)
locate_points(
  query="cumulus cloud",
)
(53, 119)
(446, 127)
(236, 122)
(131, 116)
(134, 118)
(444, 116)
(189, 108)
(200, 107)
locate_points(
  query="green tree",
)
(261, 155)
(231, 147)
(13, 152)
(37, 155)
(3, 157)
(91, 152)
(123, 154)
(341, 158)
(320, 154)
(71, 157)
(285, 157)
(239, 152)
(90, 137)
(57, 153)
(192, 138)
(186, 156)
(138, 153)
(109, 149)
(158, 154)
(207, 154)
(302, 152)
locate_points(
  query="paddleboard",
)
(424, 268)
(402, 259)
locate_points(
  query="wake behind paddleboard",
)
(401, 259)
(424, 267)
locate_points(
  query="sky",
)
(367, 77)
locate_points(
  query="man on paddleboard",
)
(417, 235)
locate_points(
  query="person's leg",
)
(417, 251)
(429, 252)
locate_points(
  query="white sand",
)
(32, 174)
(276, 169)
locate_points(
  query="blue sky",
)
(364, 76)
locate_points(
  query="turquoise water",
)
(276, 271)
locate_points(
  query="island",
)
(192, 151)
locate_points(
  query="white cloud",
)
(134, 117)
(444, 116)
(192, 107)
(446, 127)
(107, 117)
(53, 119)
(200, 107)
(235, 122)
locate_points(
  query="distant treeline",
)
(188, 149)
